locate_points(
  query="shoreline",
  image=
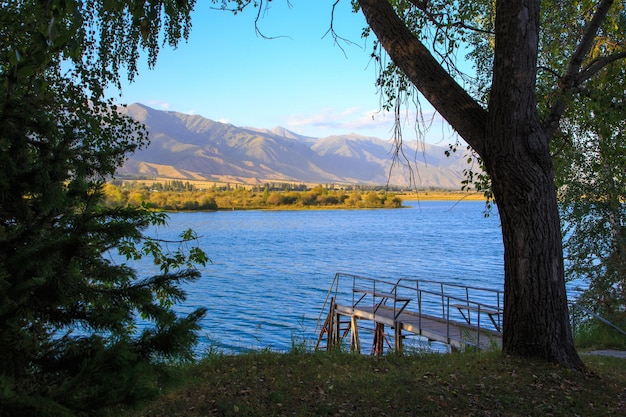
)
(441, 196)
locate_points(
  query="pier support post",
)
(355, 344)
(398, 337)
(336, 329)
(379, 339)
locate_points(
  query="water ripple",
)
(271, 270)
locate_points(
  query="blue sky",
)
(300, 80)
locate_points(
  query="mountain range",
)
(184, 146)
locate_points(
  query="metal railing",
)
(590, 313)
(479, 307)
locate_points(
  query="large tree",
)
(511, 133)
(79, 329)
(508, 119)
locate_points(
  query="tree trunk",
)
(536, 321)
(517, 157)
(514, 146)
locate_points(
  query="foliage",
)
(594, 334)
(307, 384)
(592, 179)
(79, 331)
(590, 157)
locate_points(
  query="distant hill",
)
(187, 146)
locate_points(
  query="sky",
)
(301, 79)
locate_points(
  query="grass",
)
(593, 334)
(342, 384)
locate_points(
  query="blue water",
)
(271, 270)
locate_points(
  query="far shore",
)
(178, 195)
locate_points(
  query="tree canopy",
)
(591, 177)
(79, 329)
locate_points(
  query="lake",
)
(271, 270)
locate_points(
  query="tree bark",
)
(517, 157)
(513, 145)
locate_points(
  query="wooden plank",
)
(456, 334)
(355, 344)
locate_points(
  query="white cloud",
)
(163, 105)
(368, 122)
(331, 119)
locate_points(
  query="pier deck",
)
(441, 312)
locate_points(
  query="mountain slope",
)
(193, 147)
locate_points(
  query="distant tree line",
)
(178, 195)
(153, 183)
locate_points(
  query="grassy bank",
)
(341, 384)
(177, 195)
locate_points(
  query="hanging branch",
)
(465, 115)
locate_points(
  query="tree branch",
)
(331, 30)
(573, 77)
(597, 64)
(241, 5)
(465, 115)
(586, 43)
(432, 17)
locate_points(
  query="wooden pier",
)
(458, 316)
